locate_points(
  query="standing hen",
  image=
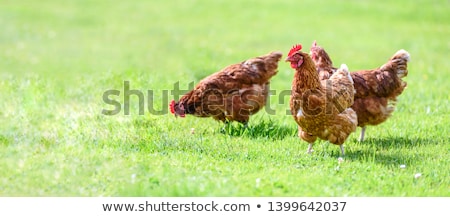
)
(376, 89)
(233, 93)
(321, 110)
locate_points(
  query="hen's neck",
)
(306, 77)
(324, 65)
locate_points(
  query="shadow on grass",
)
(400, 142)
(263, 129)
(390, 150)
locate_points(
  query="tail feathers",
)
(344, 67)
(268, 62)
(400, 62)
(276, 55)
(402, 54)
(343, 87)
(273, 57)
(345, 71)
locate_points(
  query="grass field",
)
(57, 58)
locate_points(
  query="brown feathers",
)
(376, 89)
(321, 110)
(233, 93)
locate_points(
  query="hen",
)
(376, 89)
(233, 93)
(321, 110)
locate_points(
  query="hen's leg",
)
(226, 126)
(342, 149)
(361, 136)
(310, 149)
(245, 123)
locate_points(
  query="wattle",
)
(293, 65)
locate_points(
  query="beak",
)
(288, 59)
(179, 115)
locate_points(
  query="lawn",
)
(58, 58)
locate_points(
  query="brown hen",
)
(376, 89)
(233, 93)
(321, 110)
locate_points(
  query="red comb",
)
(294, 49)
(172, 106)
(314, 43)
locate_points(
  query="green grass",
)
(58, 57)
